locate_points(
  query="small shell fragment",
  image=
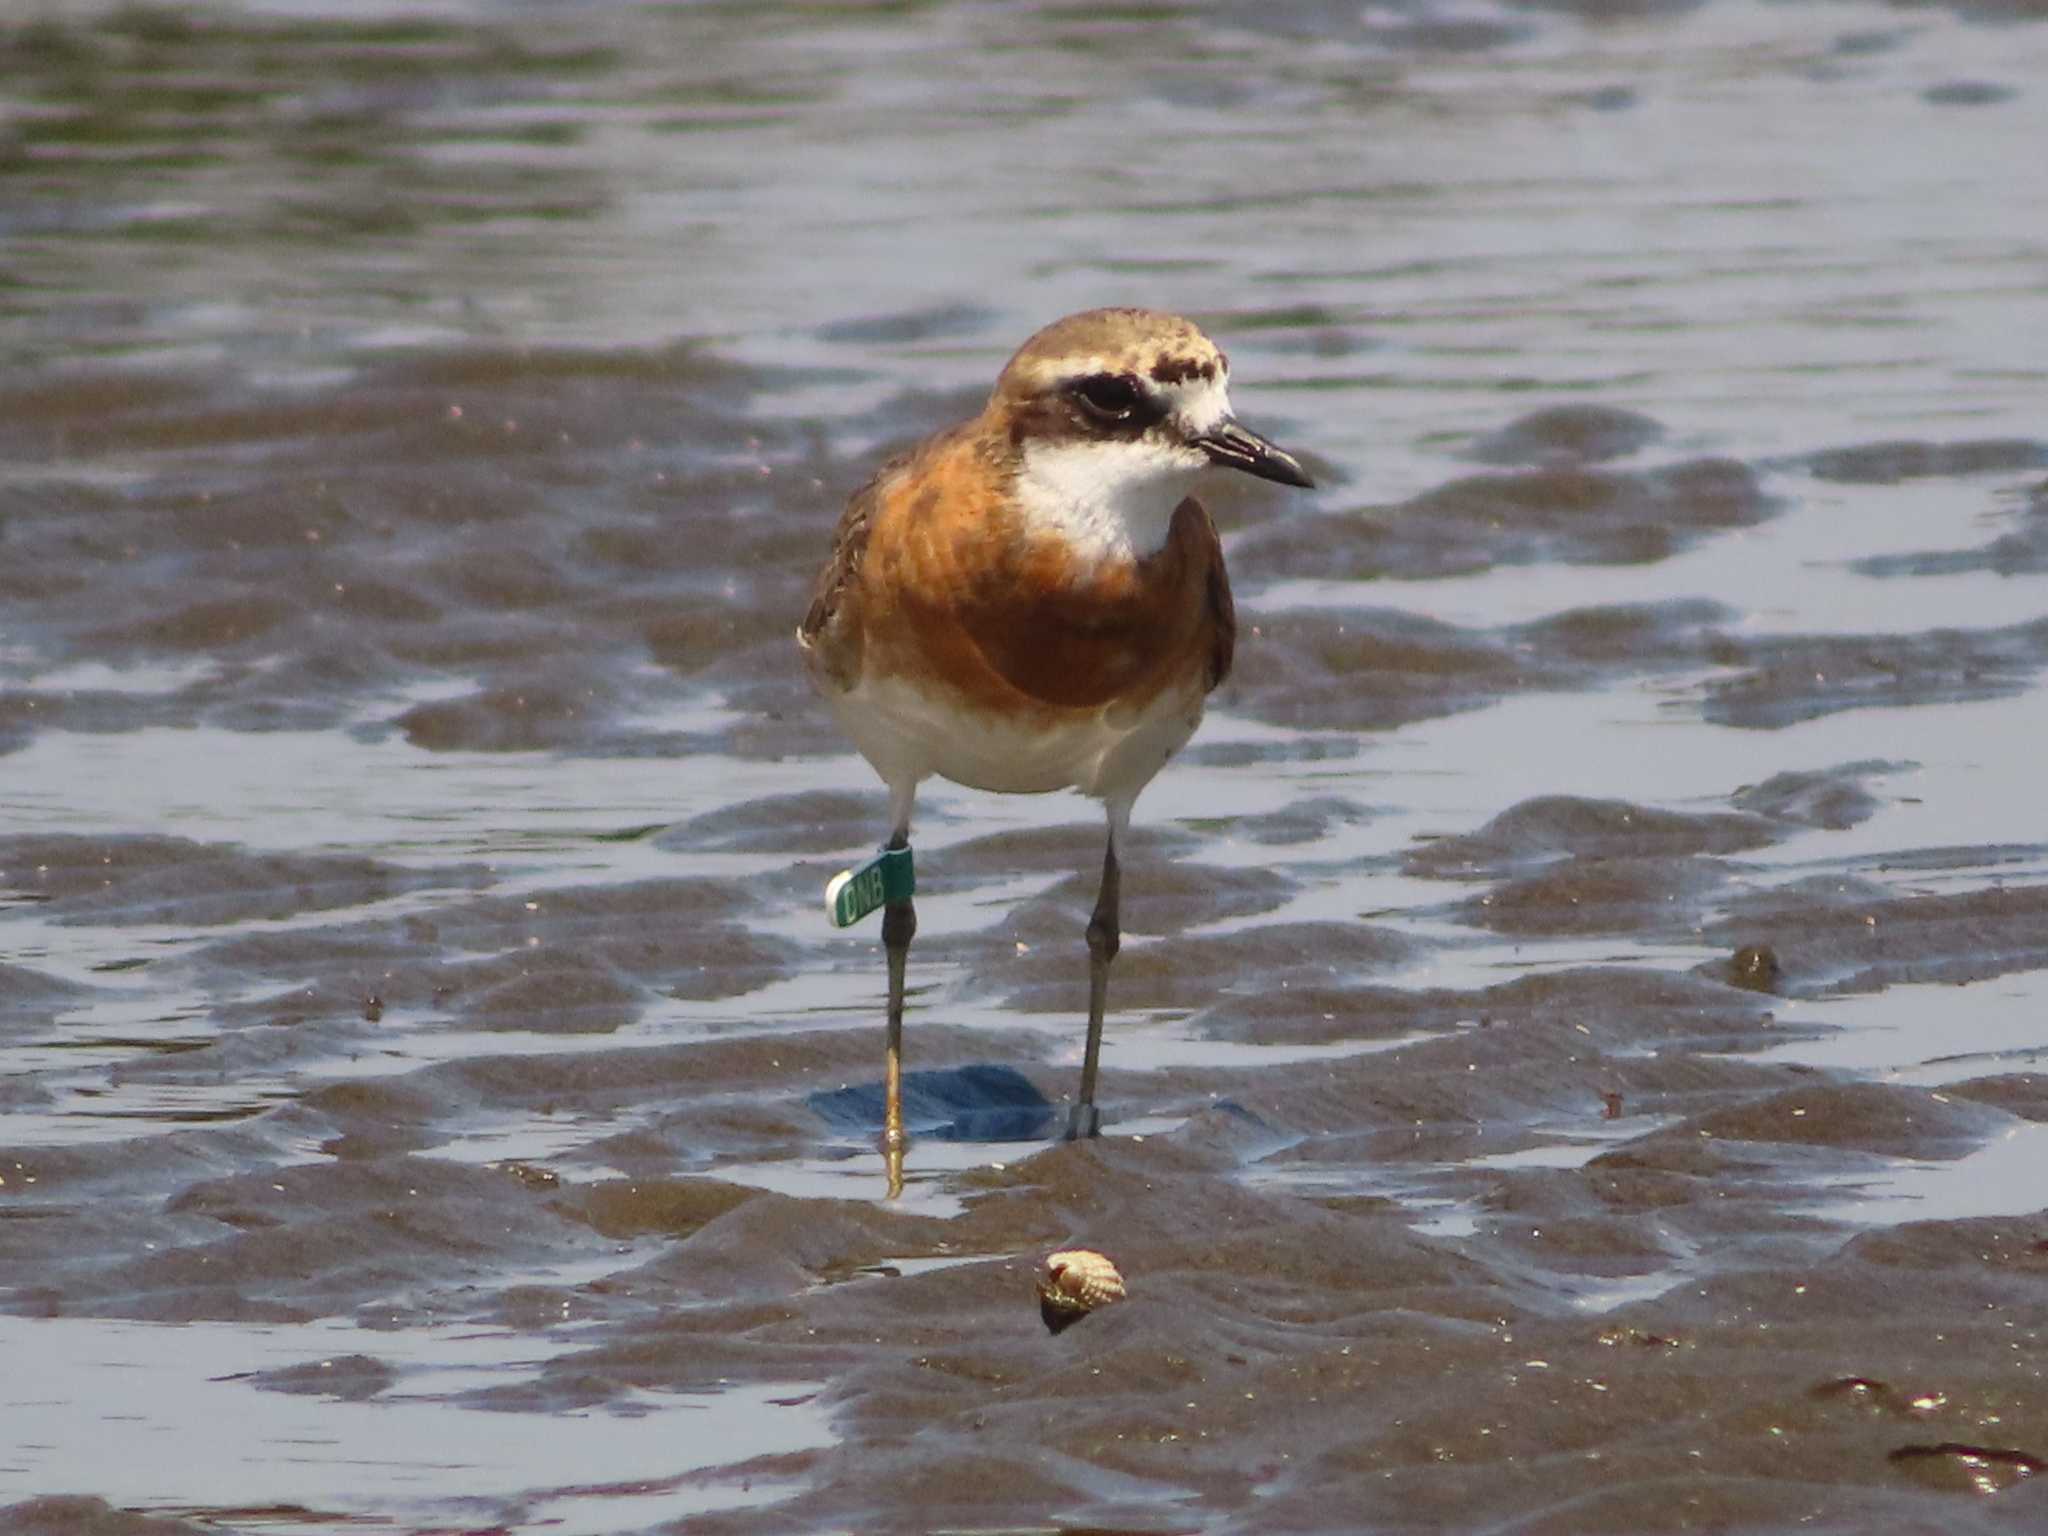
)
(1074, 1282)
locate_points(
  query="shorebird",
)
(1032, 600)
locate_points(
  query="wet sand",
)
(1576, 1062)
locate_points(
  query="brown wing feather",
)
(1222, 609)
(830, 633)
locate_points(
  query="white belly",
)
(1112, 753)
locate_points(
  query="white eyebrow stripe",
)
(1067, 371)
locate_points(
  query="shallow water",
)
(1576, 1061)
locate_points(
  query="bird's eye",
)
(1111, 396)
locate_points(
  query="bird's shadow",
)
(984, 1102)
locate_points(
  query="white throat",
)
(1113, 501)
(1108, 502)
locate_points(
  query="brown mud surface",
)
(1576, 1061)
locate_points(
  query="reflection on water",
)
(419, 433)
(174, 1417)
(2001, 1178)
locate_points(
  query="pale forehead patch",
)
(1199, 403)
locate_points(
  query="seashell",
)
(1074, 1282)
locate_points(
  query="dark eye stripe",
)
(1094, 407)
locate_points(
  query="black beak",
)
(1238, 447)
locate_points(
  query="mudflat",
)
(1575, 1061)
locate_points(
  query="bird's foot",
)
(895, 1140)
(1083, 1121)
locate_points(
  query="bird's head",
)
(1110, 416)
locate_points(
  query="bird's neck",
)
(1109, 503)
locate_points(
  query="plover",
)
(1032, 600)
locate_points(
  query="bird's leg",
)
(899, 926)
(1103, 941)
